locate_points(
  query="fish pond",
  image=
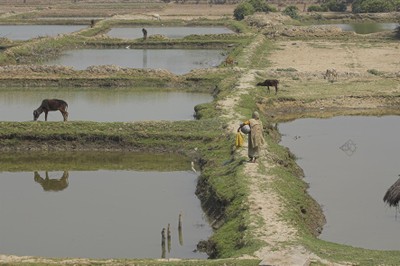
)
(350, 163)
(169, 32)
(26, 32)
(102, 105)
(177, 61)
(100, 205)
(367, 27)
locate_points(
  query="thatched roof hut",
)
(392, 196)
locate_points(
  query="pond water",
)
(366, 28)
(350, 163)
(102, 105)
(170, 32)
(26, 32)
(100, 212)
(177, 61)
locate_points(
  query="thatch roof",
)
(392, 196)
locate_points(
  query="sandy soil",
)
(317, 56)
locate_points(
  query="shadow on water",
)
(100, 205)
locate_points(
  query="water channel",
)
(177, 61)
(108, 205)
(102, 105)
(350, 163)
(170, 32)
(26, 32)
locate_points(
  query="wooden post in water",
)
(163, 243)
(180, 230)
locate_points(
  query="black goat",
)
(51, 105)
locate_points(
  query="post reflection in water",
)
(144, 58)
(166, 234)
(127, 231)
(51, 184)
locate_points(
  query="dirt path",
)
(264, 202)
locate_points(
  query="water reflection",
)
(350, 188)
(26, 32)
(114, 207)
(52, 184)
(366, 28)
(189, 59)
(170, 32)
(103, 105)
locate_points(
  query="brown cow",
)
(51, 105)
(270, 82)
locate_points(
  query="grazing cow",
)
(51, 105)
(268, 83)
(331, 74)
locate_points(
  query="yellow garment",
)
(239, 140)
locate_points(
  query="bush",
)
(374, 6)
(291, 11)
(249, 7)
(260, 5)
(242, 10)
(315, 8)
(335, 6)
(397, 31)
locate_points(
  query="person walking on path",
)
(255, 138)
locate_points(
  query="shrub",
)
(335, 6)
(260, 5)
(374, 6)
(397, 31)
(316, 8)
(291, 11)
(242, 10)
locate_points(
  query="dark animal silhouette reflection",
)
(51, 184)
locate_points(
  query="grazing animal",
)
(331, 74)
(268, 83)
(51, 105)
(229, 61)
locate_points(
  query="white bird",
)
(128, 47)
(194, 170)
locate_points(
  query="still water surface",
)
(177, 61)
(26, 32)
(366, 28)
(170, 32)
(350, 163)
(102, 105)
(100, 213)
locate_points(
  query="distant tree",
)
(374, 6)
(291, 11)
(242, 10)
(336, 6)
(316, 8)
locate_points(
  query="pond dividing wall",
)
(350, 163)
(96, 205)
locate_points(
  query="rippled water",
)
(350, 163)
